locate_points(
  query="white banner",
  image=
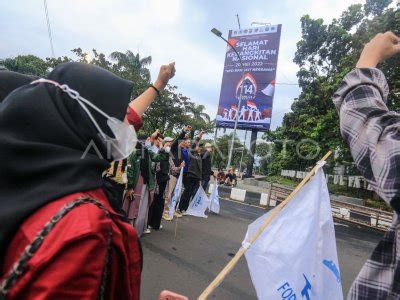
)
(295, 257)
(199, 204)
(214, 199)
(176, 195)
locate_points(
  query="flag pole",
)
(176, 226)
(228, 268)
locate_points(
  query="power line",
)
(286, 83)
(48, 27)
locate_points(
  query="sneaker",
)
(167, 218)
(177, 214)
(161, 227)
(147, 231)
(149, 227)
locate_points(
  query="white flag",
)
(199, 204)
(295, 257)
(176, 195)
(214, 199)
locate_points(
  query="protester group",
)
(147, 178)
(80, 184)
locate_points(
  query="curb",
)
(241, 195)
(360, 215)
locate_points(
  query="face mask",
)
(147, 144)
(167, 149)
(125, 139)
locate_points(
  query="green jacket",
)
(143, 166)
(133, 170)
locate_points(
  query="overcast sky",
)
(168, 30)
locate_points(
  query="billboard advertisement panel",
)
(258, 48)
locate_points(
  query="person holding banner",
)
(129, 205)
(179, 158)
(147, 182)
(206, 170)
(372, 133)
(162, 176)
(193, 177)
(174, 173)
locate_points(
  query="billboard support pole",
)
(244, 146)
(236, 121)
(253, 142)
(215, 134)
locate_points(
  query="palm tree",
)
(132, 63)
(198, 112)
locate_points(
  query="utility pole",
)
(46, 11)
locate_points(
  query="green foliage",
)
(26, 64)
(169, 112)
(281, 180)
(264, 152)
(222, 146)
(378, 204)
(325, 54)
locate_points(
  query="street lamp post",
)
(241, 158)
(219, 34)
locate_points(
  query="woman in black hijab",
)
(52, 153)
(9, 81)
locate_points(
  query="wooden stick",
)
(226, 270)
(176, 226)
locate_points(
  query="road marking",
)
(340, 224)
(257, 206)
(243, 203)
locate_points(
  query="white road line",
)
(340, 224)
(243, 203)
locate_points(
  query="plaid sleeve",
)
(371, 130)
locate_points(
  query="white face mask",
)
(125, 139)
(167, 149)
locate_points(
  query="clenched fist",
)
(381, 47)
(165, 74)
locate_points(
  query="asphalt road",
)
(188, 262)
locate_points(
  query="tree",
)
(264, 152)
(325, 54)
(132, 63)
(169, 112)
(26, 64)
(222, 146)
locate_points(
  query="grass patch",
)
(282, 180)
(378, 204)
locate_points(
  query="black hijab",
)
(9, 81)
(43, 135)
